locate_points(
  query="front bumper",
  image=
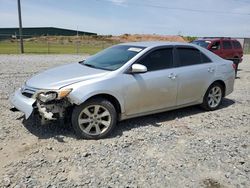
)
(22, 103)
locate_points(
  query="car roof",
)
(153, 44)
(213, 39)
(209, 39)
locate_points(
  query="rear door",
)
(195, 72)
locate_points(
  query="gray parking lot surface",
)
(181, 148)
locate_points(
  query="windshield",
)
(202, 43)
(113, 57)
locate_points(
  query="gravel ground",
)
(181, 148)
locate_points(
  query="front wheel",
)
(94, 119)
(213, 97)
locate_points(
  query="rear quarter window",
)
(236, 45)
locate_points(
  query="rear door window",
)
(227, 45)
(158, 59)
(189, 56)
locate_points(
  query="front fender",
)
(78, 97)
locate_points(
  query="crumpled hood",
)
(61, 76)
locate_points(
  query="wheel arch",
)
(114, 99)
(205, 103)
(222, 83)
(110, 98)
(96, 120)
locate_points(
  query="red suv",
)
(226, 48)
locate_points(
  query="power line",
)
(179, 8)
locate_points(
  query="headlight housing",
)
(63, 93)
(46, 96)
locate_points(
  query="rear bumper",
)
(229, 84)
(22, 103)
(233, 59)
(241, 59)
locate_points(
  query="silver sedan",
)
(125, 81)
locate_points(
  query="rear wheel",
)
(236, 63)
(213, 97)
(94, 119)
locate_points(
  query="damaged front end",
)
(52, 105)
(48, 104)
(52, 110)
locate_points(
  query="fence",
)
(246, 46)
(68, 44)
(57, 44)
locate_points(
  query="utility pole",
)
(77, 41)
(20, 26)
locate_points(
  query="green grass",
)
(43, 47)
(8, 47)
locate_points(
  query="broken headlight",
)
(48, 96)
(53, 95)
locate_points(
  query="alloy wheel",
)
(214, 96)
(94, 120)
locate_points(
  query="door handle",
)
(210, 69)
(172, 76)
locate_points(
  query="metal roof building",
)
(6, 33)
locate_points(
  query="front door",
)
(216, 48)
(154, 90)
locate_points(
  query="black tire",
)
(78, 111)
(206, 103)
(236, 62)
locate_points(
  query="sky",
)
(115, 17)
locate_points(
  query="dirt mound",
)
(116, 39)
(148, 37)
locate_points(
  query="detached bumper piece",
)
(22, 103)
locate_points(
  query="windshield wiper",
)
(89, 65)
(93, 66)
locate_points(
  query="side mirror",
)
(214, 48)
(138, 68)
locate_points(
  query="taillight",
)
(234, 66)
